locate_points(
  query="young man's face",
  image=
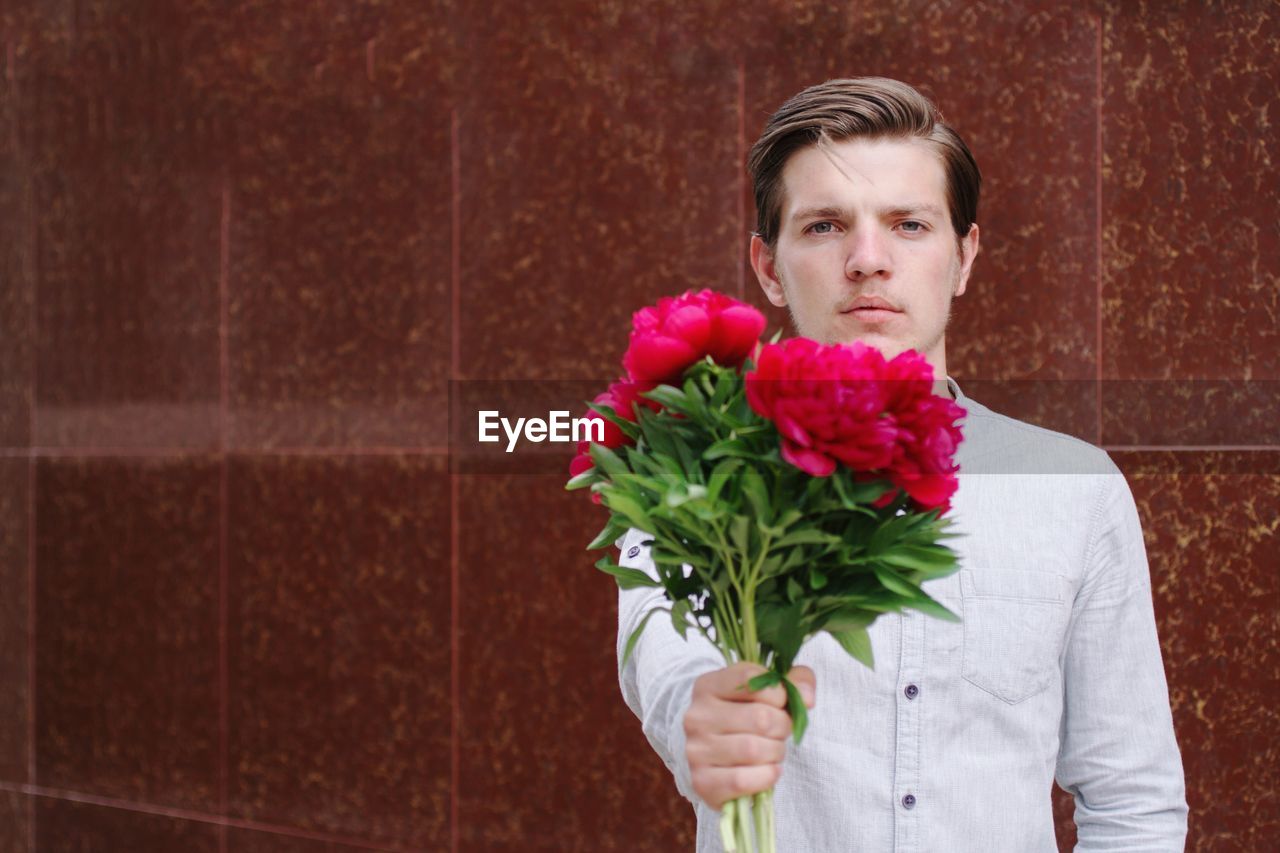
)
(870, 220)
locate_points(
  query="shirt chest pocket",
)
(1013, 622)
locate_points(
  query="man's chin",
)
(888, 347)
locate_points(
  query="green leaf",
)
(857, 643)
(627, 578)
(650, 487)
(922, 557)
(799, 713)
(889, 532)
(763, 680)
(795, 556)
(689, 492)
(719, 476)
(607, 461)
(770, 567)
(725, 385)
(817, 580)
(794, 590)
(854, 495)
(628, 507)
(933, 608)
(581, 481)
(790, 517)
(635, 635)
(783, 627)
(696, 390)
(893, 582)
(670, 397)
(740, 411)
(612, 530)
(727, 447)
(807, 536)
(688, 462)
(679, 611)
(629, 427)
(657, 438)
(754, 489)
(739, 532)
(850, 618)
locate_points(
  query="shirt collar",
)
(954, 388)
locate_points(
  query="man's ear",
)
(762, 263)
(968, 251)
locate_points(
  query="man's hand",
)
(735, 741)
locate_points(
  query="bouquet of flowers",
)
(789, 488)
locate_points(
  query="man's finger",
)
(730, 684)
(742, 750)
(806, 682)
(753, 718)
(718, 785)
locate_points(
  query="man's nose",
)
(868, 254)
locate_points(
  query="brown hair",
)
(867, 107)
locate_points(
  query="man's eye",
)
(919, 226)
(817, 225)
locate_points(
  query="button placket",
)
(908, 759)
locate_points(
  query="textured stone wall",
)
(247, 247)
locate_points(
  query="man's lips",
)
(872, 315)
(871, 302)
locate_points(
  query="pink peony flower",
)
(845, 404)
(668, 337)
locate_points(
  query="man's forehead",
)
(888, 174)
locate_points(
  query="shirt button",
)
(912, 691)
(635, 550)
(909, 801)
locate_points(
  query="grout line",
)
(84, 798)
(224, 359)
(32, 262)
(1193, 448)
(455, 365)
(1098, 225)
(455, 249)
(742, 179)
(433, 451)
(31, 648)
(169, 452)
(224, 396)
(455, 489)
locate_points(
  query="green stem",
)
(744, 824)
(767, 838)
(729, 827)
(725, 636)
(757, 812)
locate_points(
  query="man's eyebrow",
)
(831, 212)
(818, 213)
(915, 210)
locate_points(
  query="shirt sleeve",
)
(1118, 754)
(657, 682)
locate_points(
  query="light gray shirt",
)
(953, 741)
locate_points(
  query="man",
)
(867, 205)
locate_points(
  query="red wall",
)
(246, 247)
